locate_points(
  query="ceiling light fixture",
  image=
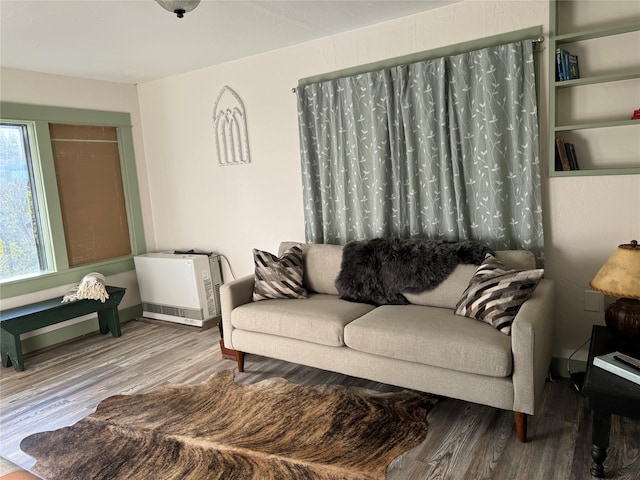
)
(179, 7)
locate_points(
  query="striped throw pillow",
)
(496, 293)
(278, 277)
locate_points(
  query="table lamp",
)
(620, 277)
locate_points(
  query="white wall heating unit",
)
(180, 288)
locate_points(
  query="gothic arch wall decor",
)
(230, 128)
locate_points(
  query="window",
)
(70, 202)
(21, 242)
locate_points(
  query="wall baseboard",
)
(560, 367)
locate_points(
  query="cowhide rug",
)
(219, 429)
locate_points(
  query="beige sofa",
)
(422, 346)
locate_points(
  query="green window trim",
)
(41, 116)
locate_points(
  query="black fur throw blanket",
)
(378, 271)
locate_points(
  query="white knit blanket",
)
(92, 287)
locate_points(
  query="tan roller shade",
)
(89, 178)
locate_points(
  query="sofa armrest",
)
(532, 335)
(233, 294)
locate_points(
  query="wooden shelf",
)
(598, 165)
(596, 172)
(612, 77)
(610, 124)
(595, 33)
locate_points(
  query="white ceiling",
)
(134, 41)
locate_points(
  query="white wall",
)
(197, 204)
(190, 202)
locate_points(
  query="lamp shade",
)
(620, 275)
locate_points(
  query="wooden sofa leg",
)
(240, 360)
(521, 426)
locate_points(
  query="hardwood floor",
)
(63, 384)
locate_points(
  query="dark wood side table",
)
(607, 394)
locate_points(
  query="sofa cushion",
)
(517, 259)
(321, 266)
(278, 277)
(319, 318)
(448, 293)
(496, 293)
(431, 336)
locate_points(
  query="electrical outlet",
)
(593, 301)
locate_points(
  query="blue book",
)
(559, 66)
(574, 69)
(565, 65)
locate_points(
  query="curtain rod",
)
(532, 33)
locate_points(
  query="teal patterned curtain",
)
(443, 149)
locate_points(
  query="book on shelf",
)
(571, 153)
(566, 158)
(558, 166)
(561, 149)
(574, 68)
(567, 65)
(620, 364)
(559, 68)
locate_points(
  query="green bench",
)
(15, 321)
